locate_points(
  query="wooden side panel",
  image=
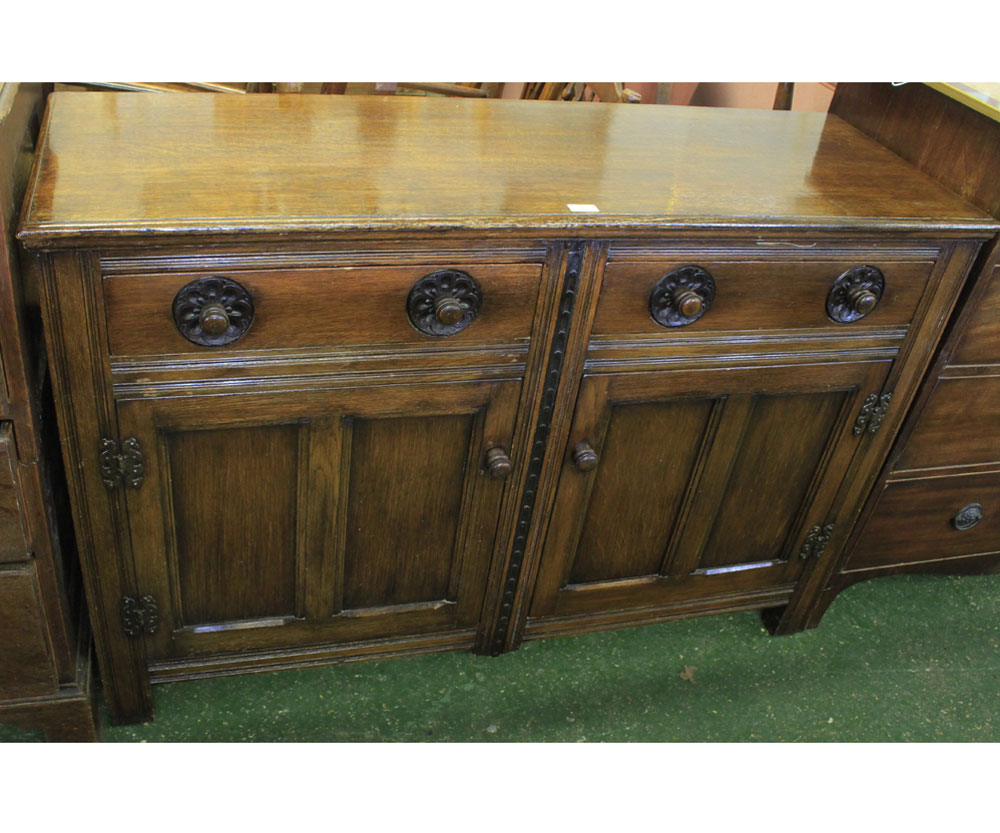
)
(783, 444)
(406, 486)
(960, 425)
(233, 493)
(25, 667)
(980, 342)
(649, 451)
(13, 537)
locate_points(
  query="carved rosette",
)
(855, 294)
(444, 302)
(213, 311)
(682, 296)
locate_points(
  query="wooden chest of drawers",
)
(345, 378)
(936, 506)
(45, 656)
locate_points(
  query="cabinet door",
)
(272, 521)
(686, 486)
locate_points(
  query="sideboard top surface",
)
(113, 166)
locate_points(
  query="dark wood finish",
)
(753, 295)
(946, 455)
(318, 307)
(915, 520)
(489, 165)
(45, 678)
(13, 535)
(706, 478)
(338, 484)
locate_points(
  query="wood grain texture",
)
(952, 427)
(116, 165)
(399, 427)
(959, 424)
(234, 508)
(313, 308)
(27, 670)
(756, 295)
(13, 535)
(980, 339)
(913, 521)
(406, 487)
(44, 658)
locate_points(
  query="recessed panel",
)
(776, 462)
(645, 467)
(234, 521)
(407, 478)
(13, 545)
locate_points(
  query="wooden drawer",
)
(980, 343)
(959, 426)
(756, 295)
(297, 308)
(915, 520)
(13, 543)
(25, 667)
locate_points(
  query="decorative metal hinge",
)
(816, 541)
(121, 463)
(139, 615)
(873, 411)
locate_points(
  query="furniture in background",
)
(936, 507)
(45, 659)
(320, 403)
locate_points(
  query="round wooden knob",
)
(584, 456)
(688, 302)
(862, 300)
(498, 464)
(855, 294)
(213, 319)
(444, 302)
(448, 310)
(968, 516)
(213, 311)
(682, 296)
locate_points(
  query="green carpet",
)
(906, 658)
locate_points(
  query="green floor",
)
(908, 658)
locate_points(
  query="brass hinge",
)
(816, 541)
(121, 463)
(873, 411)
(139, 615)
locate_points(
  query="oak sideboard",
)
(354, 377)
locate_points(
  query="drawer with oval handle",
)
(319, 307)
(704, 295)
(930, 519)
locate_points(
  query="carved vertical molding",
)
(539, 443)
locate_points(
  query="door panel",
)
(422, 536)
(341, 515)
(704, 480)
(783, 443)
(634, 503)
(238, 563)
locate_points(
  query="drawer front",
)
(755, 295)
(25, 667)
(923, 520)
(13, 543)
(959, 426)
(980, 343)
(302, 308)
